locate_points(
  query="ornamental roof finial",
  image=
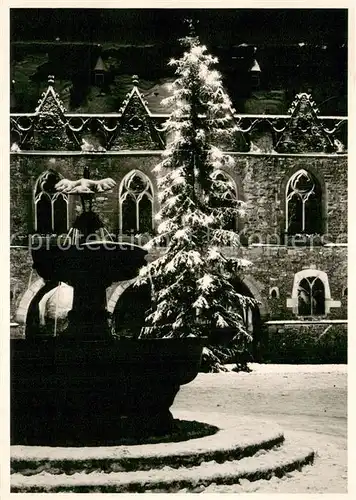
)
(135, 80)
(50, 79)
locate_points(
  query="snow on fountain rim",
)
(235, 432)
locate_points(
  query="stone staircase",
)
(241, 449)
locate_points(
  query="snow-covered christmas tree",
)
(192, 293)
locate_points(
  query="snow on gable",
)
(50, 124)
(50, 103)
(304, 131)
(136, 129)
(134, 98)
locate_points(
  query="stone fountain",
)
(86, 387)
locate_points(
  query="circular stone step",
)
(241, 449)
(264, 465)
(237, 437)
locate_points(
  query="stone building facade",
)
(290, 170)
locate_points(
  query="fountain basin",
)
(92, 262)
(66, 392)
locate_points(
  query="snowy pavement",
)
(271, 368)
(309, 402)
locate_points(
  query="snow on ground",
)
(328, 474)
(309, 402)
(271, 368)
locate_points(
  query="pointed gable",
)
(304, 132)
(136, 129)
(134, 102)
(50, 101)
(49, 123)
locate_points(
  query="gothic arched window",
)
(311, 294)
(51, 207)
(303, 204)
(225, 183)
(136, 203)
(311, 297)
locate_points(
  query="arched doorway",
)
(130, 311)
(47, 312)
(33, 324)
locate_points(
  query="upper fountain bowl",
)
(106, 261)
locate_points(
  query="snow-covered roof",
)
(100, 65)
(255, 68)
(156, 93)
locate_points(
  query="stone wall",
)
(261, 181)
(318, 343)
(25, 170)
(276, 266)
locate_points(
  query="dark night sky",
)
(216, 26)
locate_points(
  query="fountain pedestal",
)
(90, 269)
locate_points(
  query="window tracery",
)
(303, 204)
(136, 203)
(51, 207)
